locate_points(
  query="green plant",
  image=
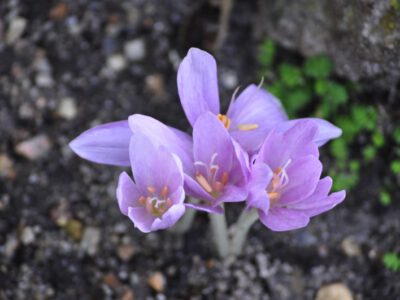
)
(395, 167)
(391, 261)
(385, 198)
(267, 53)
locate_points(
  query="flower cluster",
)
(253, 153)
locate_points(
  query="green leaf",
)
(267, 53)
(277, 89)
(290, 75)
(364, 117)
(392, 261)
(321, 87)
(296, 100)
(395, 167)
(336, 93)
(385, 198)
(339, 149)
(318, 66)
(396, 135)
(378, 139)
(369, 153)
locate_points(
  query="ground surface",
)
(61, 233)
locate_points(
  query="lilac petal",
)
(178, 197)
(296, 142)
(206, 208)
(326, 130)
(141, 218)
(261, 176)
(209, 138)
(254, 106)
(194, 189)
(154, 166)
(232, 193)
(198, 84)
(104, 144)
(173, 214)
(303, 175)
(127, 193)
(161, 134)
(282, 219)
(319, 201)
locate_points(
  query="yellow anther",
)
(151, 189)
(273, 197)
(203, 183)
(142, 200)
(247, 127)
(225, 120)
(164, 191)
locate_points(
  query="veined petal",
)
(169, 218)
(282, 219)
(232, 193)
(161, 134)
(154, 166)
(303, 174)
(105, 144)
(127, 193)
(141, 219)
(326, 130)
(252, 115)
(296, 142)
(198, 84)
(209, 138)
(260, 177)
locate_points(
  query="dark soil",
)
(53, 206)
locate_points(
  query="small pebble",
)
(67, 108)
(156, 85)
(157, 281)
(351, 247)
(73, 228)
(59, 11)
(125, 252)
(27, 236)
(334, 291)
(6, 167)
(135, 50)
(90, 240)
(35, 147)
(116, 62)
(15, 29)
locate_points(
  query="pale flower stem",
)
(186, 222)
(220, 234)
(238, 231)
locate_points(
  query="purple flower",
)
(249, 118)
(109, 143)
(155, 200)
(285, 184)
(220, 166)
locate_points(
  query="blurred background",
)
(66, 66)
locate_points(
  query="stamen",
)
(261, 82)
(142, 200)
(247, 127)
(225, 178)
(218, 186)
(164, 192)
(225, 120)
(151, 189)
(204, 183)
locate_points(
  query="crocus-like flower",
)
(155, 200)
(285, 184)
(249, 118)
(220, 166)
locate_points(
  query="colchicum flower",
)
(155, 199)
(249, 118)
(220, 166)
(285, 184)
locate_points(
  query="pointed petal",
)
(198, 84)
(303, 175)
(154, 165)
(232, 193)
(210, 137)
(127, 193)
(160, 134)
(326, 130)
(104, 144)
(194, 189)
(282, 219)
(260, 177)
(169, 218)
(254, 106)
(140, 218)
(296, 142)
